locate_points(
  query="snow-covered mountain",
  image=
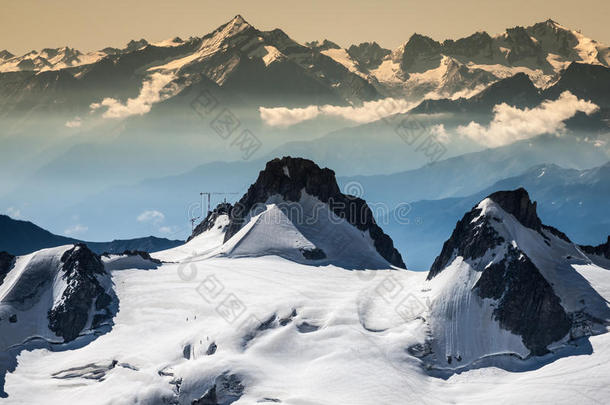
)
(285, 295)
(260, 66)
(241, 58)
(295, 210)
(423, 67)
(52, 297)
(506, 285)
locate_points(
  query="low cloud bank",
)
(511, 124)
(153, 90)
(369, 111)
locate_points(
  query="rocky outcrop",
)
(527, 304)
(522, 46)
(209, 221)
(289, 177)
(602, 250)
(143, 255)
(369, 55)
(517, 202)
(471, 239)
(6, 263)
(479, 43)
(83, 272)
(227, 389)
(419, 46)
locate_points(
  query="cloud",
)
(285, 117)
(151, 216)
(440, 133)
(512, 124)
(368, 112)
(167, 230)
(75, 123)
(76, 230)
(153, 90)
(13, 212)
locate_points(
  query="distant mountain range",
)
(23, 237)
(238, 56)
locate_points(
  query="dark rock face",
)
(369, 55)
(589, 82)
(210, 219)
(517, 91)
(313, 254)
(522, 46)
(469, 239)
(517, 203)
(4, 55)
(305, 175)
(556, 40)
(477, 43)
(227, 389)
(143, 255)
(419, 46)
(599, 250)
(527, 304)
(6, 263)
(82, 272)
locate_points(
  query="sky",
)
(91, 25)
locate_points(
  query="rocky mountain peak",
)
(4, 55)
(517, 202)
(84, 275)
(134, 45)
(522, 46)
(369, 55)
(322, 45)
(517, 91)
(209, 221)
(474, 234)
(418, 46)
(234, 26)
(534, 292)
(478, 43)
(289, 178)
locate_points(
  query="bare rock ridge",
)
(602, 249)
(210, 219)
(6, 262)
(83, 272)
(289, 177)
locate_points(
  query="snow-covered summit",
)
(294, 210)
(302, 195)
(504, 283)
(52, 297)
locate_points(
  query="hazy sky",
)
(90, 25)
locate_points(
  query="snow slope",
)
(330, 336)
(248, 320)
